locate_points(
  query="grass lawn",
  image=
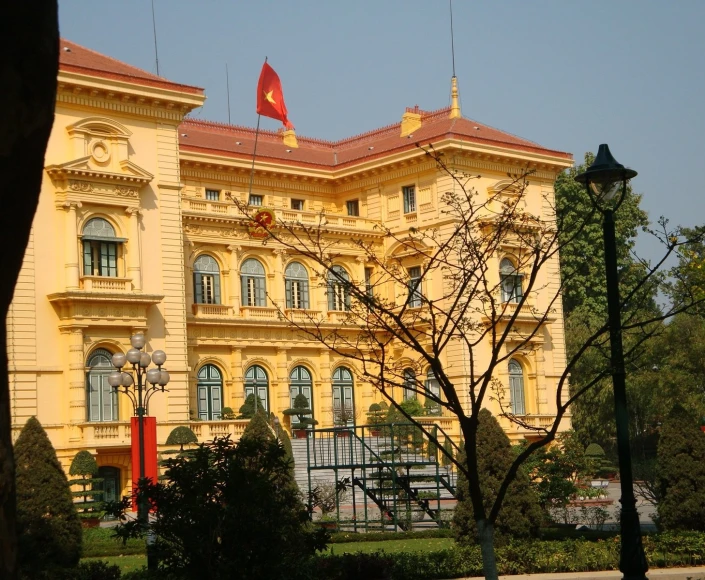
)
(408, 545)
(126, 563)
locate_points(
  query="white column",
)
(71, 251)
(133, 249)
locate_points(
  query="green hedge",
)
(99, 542)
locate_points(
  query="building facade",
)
(138, 229)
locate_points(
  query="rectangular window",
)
(213, 194)
(516, 392)
(99, 258)
(253, 293)
(338, 297)
(209, 402)
(255, 200)
(415, 295)
(297, 204)
(511, 288)
(353, 206)
(102, 398)
(409, 192)
(369, 290)
(296, 293)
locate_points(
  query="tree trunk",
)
(29, 63)
(485, 532)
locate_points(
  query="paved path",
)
(697, 573)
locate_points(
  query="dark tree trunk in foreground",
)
(29, 62)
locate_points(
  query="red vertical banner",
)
(150, 452)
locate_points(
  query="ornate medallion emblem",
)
(262, 222)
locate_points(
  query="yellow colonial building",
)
(138, 229)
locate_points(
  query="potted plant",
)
(227, 414)
(375, 417)
(343, 417)
(89, 508)
(301, 411)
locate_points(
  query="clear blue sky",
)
(566, 74)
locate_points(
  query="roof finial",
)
(454, 99)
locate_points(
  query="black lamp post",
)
(603, 180)
(139, 385)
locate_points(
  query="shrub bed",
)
(350, 537)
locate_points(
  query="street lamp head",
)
(127, 379)
(159, 357)
(137, 340)
(119, 360)
(133, 356)
(115, 379)
(605, 175)
(164, 378)
(145, 359)
(153, 376)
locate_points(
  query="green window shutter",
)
(87, 259)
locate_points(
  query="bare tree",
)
(480, 311)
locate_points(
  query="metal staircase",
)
(392, 471)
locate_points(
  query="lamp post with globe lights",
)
(606, 183)
(139, 384)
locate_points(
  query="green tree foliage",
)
(85, 466)
(301, 411)
(258, 428)
(520, 516)
(375, 414)
(557, 471)
(446, 458)
(231, 510)
(688, 277)
(580, 236)
(48, 527)
(285, 440)
(251, 405)
(181, 436)
(681, 472)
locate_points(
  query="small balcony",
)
(259, 312)
(207, 430)
(112, 434)
(105, 284)
(211, 310)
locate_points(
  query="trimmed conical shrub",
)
(49, 530)
(520, 516)
(85, 466)
(258, 428)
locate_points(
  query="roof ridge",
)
(122, 62)
(508, 133)
(366, 134)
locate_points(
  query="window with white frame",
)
(511, 281)
(206, 280)
(102, 398)
(409, 384)
(100, 248)
(433, 388)
(338, 289)
(209, 393)
(415, 297)
(253, 283)
(409, 194)
(516, 388)
(300, 383)
(257, 383)
(255, 200)
(296, 286)
(213, 194)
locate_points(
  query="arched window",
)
(296, 280)
(253, 286)
(209, 393)
(516, 388)
(206, 280)
(100, 248)
(300, 383)
(409, 384)
(343, 402)
(433, 388)
(102, 398)
(257, 383)
(510, 280)
(338, 289)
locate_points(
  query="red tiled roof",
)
(230, 140)
(85, 61)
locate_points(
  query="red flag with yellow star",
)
(270, 98)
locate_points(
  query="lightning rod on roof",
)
(452, 39)
(454, 93)
(154, 28)
(227, 86)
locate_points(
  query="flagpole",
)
(254, 153)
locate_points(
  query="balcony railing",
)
(327, 220)
(259, 312)
(211, 310)
(106, 284)
(113, 434)
(207, 430)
